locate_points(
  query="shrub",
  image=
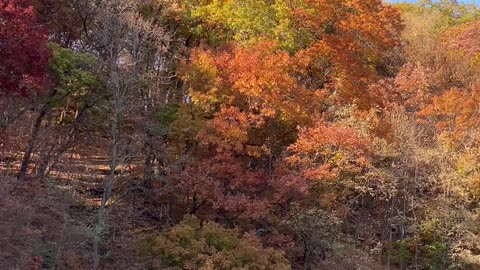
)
(192, 245)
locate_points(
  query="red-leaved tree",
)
(24, 54)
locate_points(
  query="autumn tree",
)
(254, 97)
(24, 61)
(245, 22)
(225, 188)
(454, 115)
(24, 53)
(350, 39)
(324, 152)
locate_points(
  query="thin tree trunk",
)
(34, 136)
(149, 162)
(115, 132)
(46, 151)
(50, 160)
(107, 190)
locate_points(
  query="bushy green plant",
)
(192, 245)
(437, 255)
(402, 251)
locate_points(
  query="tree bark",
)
(34, 136)
(49, 160)
(117, 109)
(45, 152)
(149, 162)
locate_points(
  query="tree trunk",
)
(149, 162)
(117, 108)
(45, 152)
(50, 159)
(34, 136)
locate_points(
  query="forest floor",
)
(54, 219)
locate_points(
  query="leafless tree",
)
(126, 43)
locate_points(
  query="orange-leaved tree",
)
(253, 95)
(351, 40)
(455, 114)
(326, 152)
